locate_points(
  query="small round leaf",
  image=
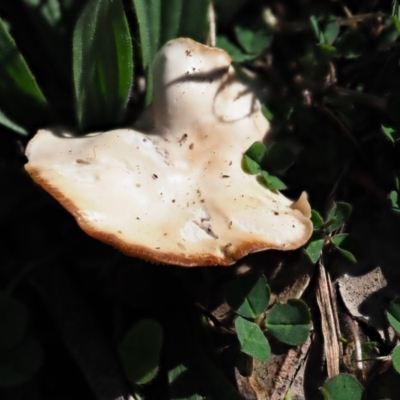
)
(252, 340)
(248, 295)
(139, 351)
(315, 246)
(393, 314)
(290, 323)
(326, 28)
(337, 240)
(250, 166)
(339, 213)
(316, 218)
(394, 200)
(279, 157)
(253, 40)
(272, 182)
(343, 387)
(396, 358)
(14, 320)
(256, 152)
(20, 363)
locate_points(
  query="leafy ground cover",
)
(80, 320)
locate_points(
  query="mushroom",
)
(172, 189)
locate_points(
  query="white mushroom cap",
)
(172, 190)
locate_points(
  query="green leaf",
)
(102, 64)
(329, 50)
(234, 51)
(315, 246)
(148, 14)
(228, 10)
(393, 314)
(20, 363)
(253, 41)
(21, 99)
(338, 239)
(272, 182)
(51, 23)
(194, 21)
(339, 213)
(50, 10)
(317, 30)
(325, 28)
(396, 358)
(256, 152)
(268, 114)
(390, 32)
(250, 166)
(252, 340)
(331, 29)
(14, 321)
(346, 254)
(396, 22)
(316, 218)
(171, 14)
(15, 73)
(140, 350)
(248, 295)
(368, 349)
(394, 200)
(278, 157)
(390, 133)
(343, 387)
(253, 158)
(161, 21)
(290, 323)
(396, 9)
(8, 123)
